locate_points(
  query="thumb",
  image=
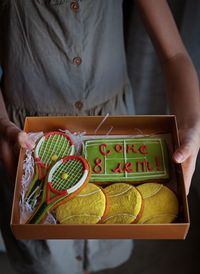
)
(182, 153)
(25, 141)
(189, 143)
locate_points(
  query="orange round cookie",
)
(125, 204)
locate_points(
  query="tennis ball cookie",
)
(88, 207)
(160, 204)
(125, 204)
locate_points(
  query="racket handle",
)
(32, 190)
(39, 214)
(36, 193)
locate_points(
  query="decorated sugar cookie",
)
(160, 204)
(125, 204)
(65, 179)
(88, 207)
(133, 159)
(49, 149)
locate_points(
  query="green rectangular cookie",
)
(127, 159)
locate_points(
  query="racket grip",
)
(32, 191)
(39, 214)
(36, 193)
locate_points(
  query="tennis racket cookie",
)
(88, 207)
(49, 149)
(65, 179)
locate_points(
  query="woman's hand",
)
(187, 152)
(11, 139)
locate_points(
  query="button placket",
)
(75, 6)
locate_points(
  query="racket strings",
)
(45, 147)
(49, 146)
(74, 170)
(55, 142)
(71, 168)
(54, 145)
(65, 148)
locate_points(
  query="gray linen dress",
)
(62, 58)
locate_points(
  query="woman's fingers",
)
(25, 141)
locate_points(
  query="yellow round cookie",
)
(88, 207)
(125, 204)
(160, 204)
